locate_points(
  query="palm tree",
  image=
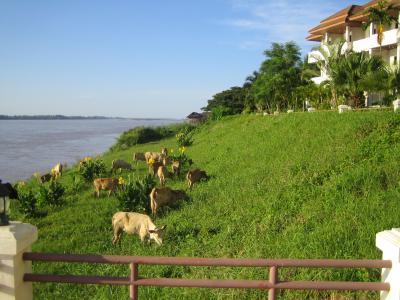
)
(328, 60)
(394, 81)
(358, 72)
(380, 16)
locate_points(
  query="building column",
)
(389, 243)
(15, 239)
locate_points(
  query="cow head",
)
(157, 234)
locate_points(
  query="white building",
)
(346, 25)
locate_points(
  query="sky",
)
(158, 59)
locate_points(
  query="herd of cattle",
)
(140, 224)
(136, 223)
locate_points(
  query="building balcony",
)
(390, 37)
(320, 79)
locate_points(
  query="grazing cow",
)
(153, 167)
(154, 155)
(9, 190)
(160, 197)
(195, 176)
(139, 156)
(163, 174)
(134, 223)
(44, 178)
(176, 167)
(164, 151)
(57, 171)
(106, 184)
(120, 164)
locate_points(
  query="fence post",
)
(15, 239)
(273, 279)
(389, 243)
(133, 288)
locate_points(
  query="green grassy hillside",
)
(293, 186)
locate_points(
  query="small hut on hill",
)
(197, 118)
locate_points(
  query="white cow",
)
(135, 223)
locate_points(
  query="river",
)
(28, 146)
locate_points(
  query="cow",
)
(120, 164)
(43, 178)
(107, 184)
(139, 156)
(57, 171)
(135, 223)
(176, 167)
(160, 197)
(195, 176)
(153, 167)
(163, 174)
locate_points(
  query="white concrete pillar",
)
(396, 105)
(389, 243)
(15, 239)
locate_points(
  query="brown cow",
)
(163, 174)
(195, 176)
(176, 167)
(160, 197)
(139, 156)
(106, 184)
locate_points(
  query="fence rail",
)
(272, 285)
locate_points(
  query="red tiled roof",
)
(352, 13)
(360, 14)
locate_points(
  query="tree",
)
(356, 73)
(232, 100)
(394, 81)
(380, 15)
(278, 77)
(328, 60)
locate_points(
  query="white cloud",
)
(279, 20)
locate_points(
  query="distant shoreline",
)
(62, 117)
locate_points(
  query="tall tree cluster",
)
(283, 81)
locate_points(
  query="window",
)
(396, 25)
(350, 37)
(395, 60)
(374, 30)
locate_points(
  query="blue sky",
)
(139, 58)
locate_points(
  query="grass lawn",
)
(297, 185)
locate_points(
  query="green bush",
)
(141, 135)
(182, 157)
(219, 112)
(27, 202)
(51, 194)
(76, 183)
(90, 168)
(184, 138)
(134, 194)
